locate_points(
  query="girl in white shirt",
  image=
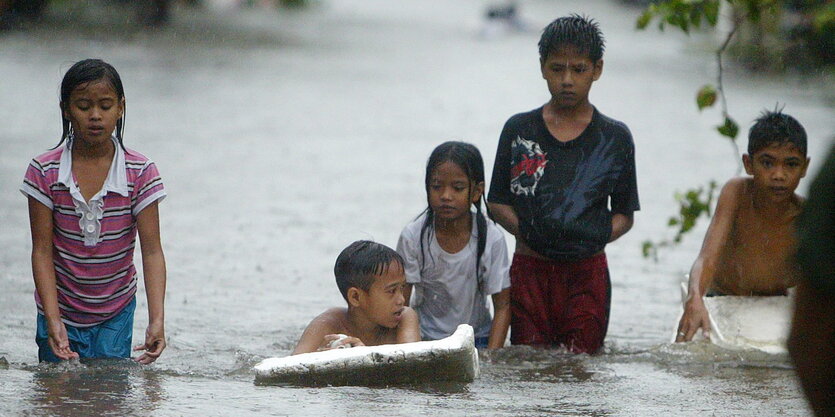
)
(454, 258)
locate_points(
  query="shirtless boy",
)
(749, 246)
(371, 279)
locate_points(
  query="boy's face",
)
(384, 301)
(569, 75)
(777, 169)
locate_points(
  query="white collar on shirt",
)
(117, 178)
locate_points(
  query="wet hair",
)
(776, 127)
(359, 264)
(578, 31)
(84, 72)
(468, 158)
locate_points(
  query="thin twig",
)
(721, 87)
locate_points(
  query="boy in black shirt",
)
(564, 184)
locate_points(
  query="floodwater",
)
(283, 136)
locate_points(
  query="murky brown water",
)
(283, 137)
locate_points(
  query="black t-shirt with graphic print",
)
(565, 193)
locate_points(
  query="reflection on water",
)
(95, 387)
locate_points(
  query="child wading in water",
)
(564, 184)
(87, 201)
(454, 257)
(749, 248)
(370, 277)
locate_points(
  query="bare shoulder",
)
(736, 187)
(409, 313)
(329, 322)
(409, 328)
(732, 193)
(332, 318)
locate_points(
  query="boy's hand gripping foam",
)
(740, 323)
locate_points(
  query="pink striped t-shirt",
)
(93, 241)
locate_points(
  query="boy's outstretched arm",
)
(409, 328)
(505, 215)
(702, 273)
(153, 264)
(43, 270)
(501, 319)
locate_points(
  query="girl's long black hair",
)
(83, 72)
(468, 158)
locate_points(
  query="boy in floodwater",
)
(371, 278)
(564, 184)
(749, 246)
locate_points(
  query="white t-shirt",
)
(445, 286)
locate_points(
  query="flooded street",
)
(283, 136)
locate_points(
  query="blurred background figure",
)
(501, 18)
(16, 12)
(13, 11)
(812, 338)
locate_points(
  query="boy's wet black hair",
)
(359, 264)
(83, 72)
(578, 31)
(776, 127)
(468, 158)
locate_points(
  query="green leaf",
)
(712, 12)
(644, 19)
(647, 248)
(696, 17)
(729, 128)
(672, 222)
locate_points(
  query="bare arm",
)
(621, 223)
(501, 319)
(704, 268)
(43, 271)
(409, 328)
(153, 264)
(505, 215)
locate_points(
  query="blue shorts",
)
(481, 342)
(110, 339)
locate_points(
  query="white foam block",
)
(454, 358)
(760, 323)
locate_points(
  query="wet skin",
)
(374, 317)
(93, 111)
(569, 75)
(451, 194)
(749, 246)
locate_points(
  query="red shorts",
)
(560, 303)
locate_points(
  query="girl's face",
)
(451, 192)
(93, 110)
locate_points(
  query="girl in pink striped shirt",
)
(88, 198)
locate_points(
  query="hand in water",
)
(695, 317)
(59, 342)
(154, 344)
